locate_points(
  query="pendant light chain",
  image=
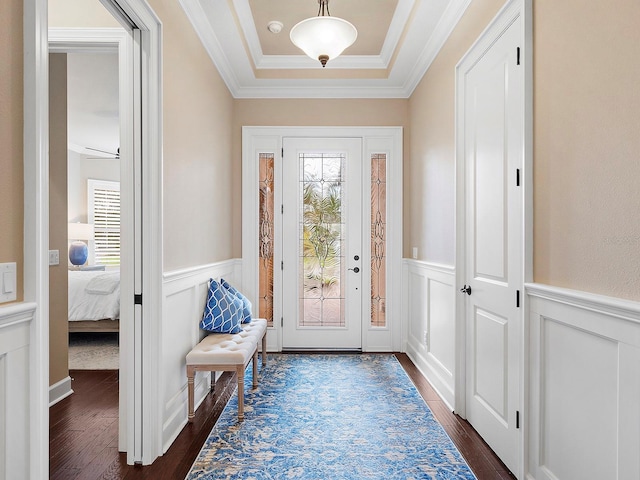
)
(323, 4)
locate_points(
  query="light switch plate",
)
(7, 282)
(54, 257)
(415, 253)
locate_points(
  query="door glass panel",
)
(378, 239)
(266, 235)
(321, 240)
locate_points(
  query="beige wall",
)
(429, 170)
(11, 153)
(197, 162)
(586, 142)
(58, 276)
(307, 112)
(587, 146)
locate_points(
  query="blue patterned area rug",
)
(330, 417)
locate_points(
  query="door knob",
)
(466, 289)
(355, 269)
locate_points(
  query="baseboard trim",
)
(59, 391)
(433, 376)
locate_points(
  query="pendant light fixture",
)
(323, 37)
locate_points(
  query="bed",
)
(94, 301)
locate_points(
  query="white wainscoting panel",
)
(430, 317)
(584, 386)
(184, 296)
(15, 322)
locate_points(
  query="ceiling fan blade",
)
(115, 155)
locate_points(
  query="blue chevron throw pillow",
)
(222, 312)
(246, 304)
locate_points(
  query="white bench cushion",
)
(226, 348)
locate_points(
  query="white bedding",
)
(94, 295)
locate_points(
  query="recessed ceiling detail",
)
(397, 41)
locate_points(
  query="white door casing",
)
(375, 140)
(491, 256)
(298, 331)
(144, 430)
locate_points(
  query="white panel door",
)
(322, 243)
(493, 153)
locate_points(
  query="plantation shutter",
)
(104, 213)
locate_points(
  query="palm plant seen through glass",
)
(322, 234)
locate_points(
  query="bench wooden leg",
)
(240, 372)
(190, 377)
(264, 350)
(255, 369)
(213, 381)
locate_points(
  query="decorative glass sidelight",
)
(321, 240)
(266, 237)
(378, 239)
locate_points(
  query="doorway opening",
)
(94, 208)
(322, 234)
(88, 74)
(141, 440)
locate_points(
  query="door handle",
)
(466, 289)
(355, 269)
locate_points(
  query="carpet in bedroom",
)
(93, 351)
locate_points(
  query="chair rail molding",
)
(601, 304)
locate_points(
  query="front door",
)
(322, 243)
(493, 159)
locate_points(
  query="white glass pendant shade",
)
(323, 38)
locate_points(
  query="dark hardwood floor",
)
(83, 435)
(484, 463)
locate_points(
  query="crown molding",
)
(199, 19)
(450, 18)
(431, 23)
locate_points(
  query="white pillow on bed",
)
(103, 284)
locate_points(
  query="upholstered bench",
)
(225, 352)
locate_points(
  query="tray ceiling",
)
(397, 41)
